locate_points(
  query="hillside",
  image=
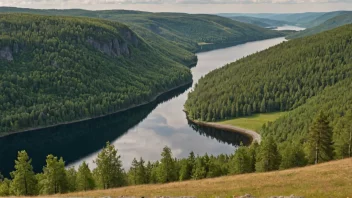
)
(262, 22)
(335, 176)
(327, 25)
(304, 75)
(61, 69)
(187, 31)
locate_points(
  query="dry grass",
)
(333, 179)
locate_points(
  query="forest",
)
(109, 171)
(61, 69)
(302, 76)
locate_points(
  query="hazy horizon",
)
(189, 6)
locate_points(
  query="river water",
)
(139, 132)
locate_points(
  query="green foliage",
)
(268, 157)
(167, 167)
(85, 179)
(320, 140)
(71, 174)
(5, 187)
(241, 161)
(23, 178)
(109, 170)
(262, 22)
(67, 69)
(280, 78)
(292, 156)
(54, 178)
(343, 136)
(138, 172)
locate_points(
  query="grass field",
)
(254, 122)
(332, 179)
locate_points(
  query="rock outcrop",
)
(116, 47)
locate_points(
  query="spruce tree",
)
(71, 174)
(23, 178)
(199, 171)
(252, 152)
(292, 156)
(320, 140)
(109, 170)
(268, 157)
(54, 176)
(85, 179)
(343, 136)
(241, 162)
(5, 187)
(167, 172)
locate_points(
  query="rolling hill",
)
(301, 76)
(62, 69)
(262, 22)
(188, 31)
(327, 25)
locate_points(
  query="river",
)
(139, 132)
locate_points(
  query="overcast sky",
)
(191, 6)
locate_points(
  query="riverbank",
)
(95, 117)
(255, 137)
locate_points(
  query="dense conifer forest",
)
(303, 76)
(61, 69)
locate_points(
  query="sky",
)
(191, 6)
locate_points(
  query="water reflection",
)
(76, 140)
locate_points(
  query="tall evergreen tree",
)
(23, 178)
(109, 170)
(71, 174)
(166, 167)
(343, 136)
(292, 156)
(268, 157)
(54, 178)
(320, 140)
(252, 152)
(85, 179)
(199, 170)
(241, 162)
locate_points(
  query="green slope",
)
(327, 25)
(281, 78)
(60, 69)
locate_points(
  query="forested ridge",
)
(281, 78)
(61, 69)
(190, 32)
(303, 76)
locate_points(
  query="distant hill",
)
(262, 22)
(62, 69)
(327, 25)
(189, 31)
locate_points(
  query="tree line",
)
(267, 156)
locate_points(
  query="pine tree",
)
(85, 179)
(241, 161)
(109, 170)
(320, 140)
(199, 171)
(23, 178)
(141, 172)
(292, 156)
(5, 187)
(133, 172)
(71, 174)
(187, 167)
(252, 152)
(54, 176)
(166, 167)
(343, 136)
(268, 157)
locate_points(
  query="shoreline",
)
(92, 118)
(255, 137)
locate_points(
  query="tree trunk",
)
(316, 153)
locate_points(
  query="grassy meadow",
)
(254, 122)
